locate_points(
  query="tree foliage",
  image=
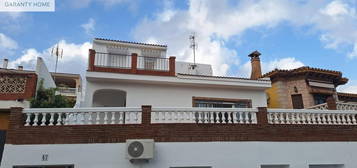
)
(47, 98)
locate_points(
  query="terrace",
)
(132, 64)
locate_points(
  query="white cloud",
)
(350, 87)
(353, 53)
(337, 8)
(7, 42)
(284, 63)
(214, 22)
(13, 22)
(217, 22)
(7, 46)
(74, 60)
(89, 27)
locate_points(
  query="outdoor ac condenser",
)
(139, 149)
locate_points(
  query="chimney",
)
(20, 68)
(256, 67)
(4, 65)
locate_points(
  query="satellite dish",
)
(135, 149)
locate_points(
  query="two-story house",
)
(142, 109)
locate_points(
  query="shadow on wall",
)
(109, 98)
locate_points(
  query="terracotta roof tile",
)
(302, 70)
(15, 71)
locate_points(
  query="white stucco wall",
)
(200, 69)
(160, 95)
(215, 154)
(13, 103)
(43, 74)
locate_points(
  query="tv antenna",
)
(193, 45)
(58, 53)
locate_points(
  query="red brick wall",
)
(19, 134)
(30, 89)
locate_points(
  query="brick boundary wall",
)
(19, 134)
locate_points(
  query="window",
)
(221, 103)
(320, 98)
(274, 166)
(327, 166)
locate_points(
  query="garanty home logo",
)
(27, 5)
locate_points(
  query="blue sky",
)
(289, 34)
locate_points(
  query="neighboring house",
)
(68, 85)
(142, 109)
(305, 87)
(17, 87)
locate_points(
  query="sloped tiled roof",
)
(15, 71)
(130, 42)
(336, 75)
(303, 70)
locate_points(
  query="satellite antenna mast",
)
(193, 45)
(58, 53)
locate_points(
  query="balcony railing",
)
(122, 115)
(134, 64)
(153, 63)
(339, 106)
(316, 117)
(81, 116)
(205, 115)
(67, 90)
(112, 60)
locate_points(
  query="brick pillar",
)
(16, 118)
(331, 103)
(134, 62)
(262, 116)
(146, 114)
(91, 60)
(172, 66)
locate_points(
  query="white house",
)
(142, 109)
(154, 81)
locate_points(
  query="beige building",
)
(305, 87)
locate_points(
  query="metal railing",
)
(339, 106)
(67, 90)
(153, 63)
(112, 60)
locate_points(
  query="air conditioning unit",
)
(139, 149)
